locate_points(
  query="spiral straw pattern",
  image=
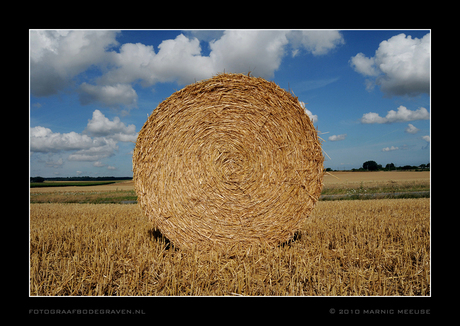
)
(229, 160)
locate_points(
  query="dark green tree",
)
(390, 166)
(370, 166)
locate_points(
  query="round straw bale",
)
(229, 160)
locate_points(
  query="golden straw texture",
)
(229, 160)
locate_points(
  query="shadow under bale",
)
(157, 236)
(297, 237)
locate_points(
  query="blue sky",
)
(368, 92)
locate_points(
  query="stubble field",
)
(372, 247)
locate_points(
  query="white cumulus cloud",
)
(400, 66)
(364, 65)
(313, 117)
(388, 149)
(84, 148)
(428, 140)
(181, 59)
(57, 57)
(411, 129)
(44, 140)
(317, 42)
(110, 96)
(100, 125)
(178, 60)
(402, 114)
(95, 153)
(99, 139)
(241, 51)
(337, 137)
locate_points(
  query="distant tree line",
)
(373, 166)
(82, 178)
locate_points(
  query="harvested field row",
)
(380, 176)
(124, 191)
